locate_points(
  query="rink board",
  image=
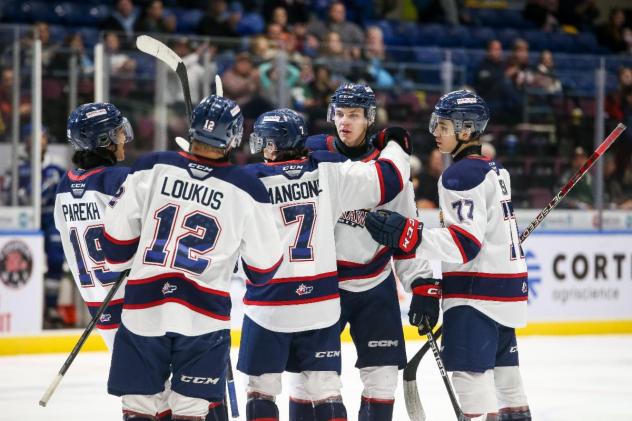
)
(579, 283)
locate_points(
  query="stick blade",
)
(183, 143)
(157, 49)
(219, 88)
(413, 403)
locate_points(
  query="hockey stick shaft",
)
(601, 149)
(444, 374)
(232, 393)
(84, 336)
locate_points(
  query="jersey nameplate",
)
(180, 189)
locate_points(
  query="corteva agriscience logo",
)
(535, 275)
(16, 264)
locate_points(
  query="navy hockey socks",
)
(515, 416)
(258, 409)
(376, 409)
(301, 410)
(330, 410)
(217, 411)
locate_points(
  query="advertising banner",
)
(21, 282)
(579, 277)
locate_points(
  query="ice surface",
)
(567, 379)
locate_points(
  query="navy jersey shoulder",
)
(325, 156)
(467, 173)
(292, 170)
(106, 180)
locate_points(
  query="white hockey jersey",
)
(80, 203)
(362, 262)
(483, 262)
(309, 196)
(180, 223)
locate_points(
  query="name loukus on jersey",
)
(185, 190)
(294, 191)
(86, 211)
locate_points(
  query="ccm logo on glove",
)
(410, 235)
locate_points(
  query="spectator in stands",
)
(374, 52)
(122, 67)
(496, 86)
(543, 13)
(6, 103)
(336, 22)
(260, 49)
(427, 193)
(155, 20)
(198, 75)
(49, 48)
(296, 10)
(73, 46)
(627, 184)
(277, 36)
(581, 196)
(272, 76)
(219, 21)
(518, 69)
(280, 17)
(318, 93)
(615, 196)
(615, 100)
(616, 33)
(242, 85)
(122, 19)
(544, 77)
(334, 55)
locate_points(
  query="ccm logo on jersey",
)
(384, 343)
(327, 354)
(199, 380)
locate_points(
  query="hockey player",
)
(367, 285)
(52, 173)
(484, 286)
(180, 221)
(98, 133)
(295, 316)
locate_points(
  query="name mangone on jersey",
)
(362, 262)
(180, 225)
(483, 262)
(308, 196)
(80, 203)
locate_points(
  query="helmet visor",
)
(123, 133)
(433, 123)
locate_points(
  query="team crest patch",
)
(304, 289)
(353, 218)
(167, 288)
(16, 264)
(105, 317)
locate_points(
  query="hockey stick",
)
(411, 394)
(232, 393)
(444, 374)
(73, 354)
(601, 149)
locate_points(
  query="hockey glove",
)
(425, 302)
(394, 134)
(394, 230)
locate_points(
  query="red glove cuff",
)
(428, 290)
(410, 236)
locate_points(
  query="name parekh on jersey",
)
(85, 211)
(294, 191)
(180, 189)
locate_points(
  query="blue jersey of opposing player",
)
(97, 132)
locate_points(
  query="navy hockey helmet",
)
(217, 122)
(353, 95)
(97, 125)
(279, 130)
(465, 109)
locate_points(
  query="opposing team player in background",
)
(98, 133)
(180, 223)
(367, 285)
(295, 316)
(484, 286)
